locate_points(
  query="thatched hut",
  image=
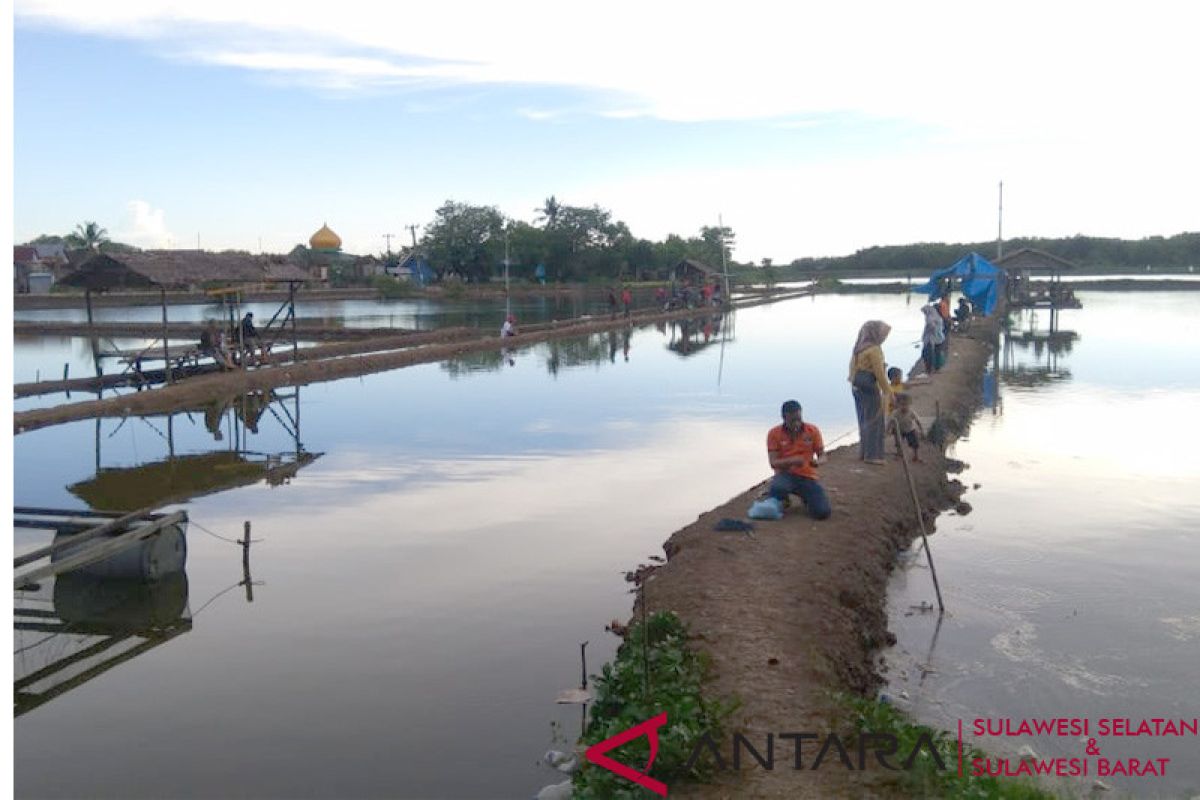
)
(697, 273)
(180, 269)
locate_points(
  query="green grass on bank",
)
(624, 699)
(925, 778)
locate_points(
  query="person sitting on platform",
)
(962, 312)
(509, 328)
(212, 344)
(794, 449)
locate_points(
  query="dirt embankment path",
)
(798, 610)
(335, 361)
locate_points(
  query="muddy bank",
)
(798, 610)
(307, 330)
(342, 360)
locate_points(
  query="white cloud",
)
(144, 226)
(946, 62)
(1084, 109)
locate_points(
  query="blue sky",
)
(812, 131)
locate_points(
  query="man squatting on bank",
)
(793, 449)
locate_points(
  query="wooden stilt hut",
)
(187, 270)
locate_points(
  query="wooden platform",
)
(176, 353)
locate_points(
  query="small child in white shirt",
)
(904, 420)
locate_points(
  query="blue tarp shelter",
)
(415, 268)
(979, 277)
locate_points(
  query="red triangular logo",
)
(596, 754)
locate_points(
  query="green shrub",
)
(924, 779)
(676, 675)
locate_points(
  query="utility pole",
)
(507, 300)
(413, 230)
(724, 269)
(387, 238)
(1000, 228)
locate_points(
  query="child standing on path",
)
(904, 420)
(896, 381)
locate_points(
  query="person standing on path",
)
(626, 300)
(932, 336)
(793, 450)
(870, 386)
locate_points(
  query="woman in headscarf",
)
(868, 377)
(932, 335)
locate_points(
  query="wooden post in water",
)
(246, 581)
(292, 314)
(166, 343)
(87, 299)
(645, 638)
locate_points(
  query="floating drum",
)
(147, 559)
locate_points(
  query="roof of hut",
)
(178, 268)
(692, 265)
(1033, 259)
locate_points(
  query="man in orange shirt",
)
(793, 450)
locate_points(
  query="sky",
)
(811, 129)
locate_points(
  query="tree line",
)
(580, 243)
(1177, 252)
(565, 243)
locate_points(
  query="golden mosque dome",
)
(325, 239)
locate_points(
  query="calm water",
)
(417, 313)
(1072, 586)
(44, 357)
(426, 582)
(422, 587)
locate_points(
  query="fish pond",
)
(431, 546)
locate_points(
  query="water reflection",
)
(1023, 335)
(73, 628)
(690, 336)
(180, 477)
(684, 337)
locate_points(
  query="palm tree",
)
(88, 235)
(549, 212)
